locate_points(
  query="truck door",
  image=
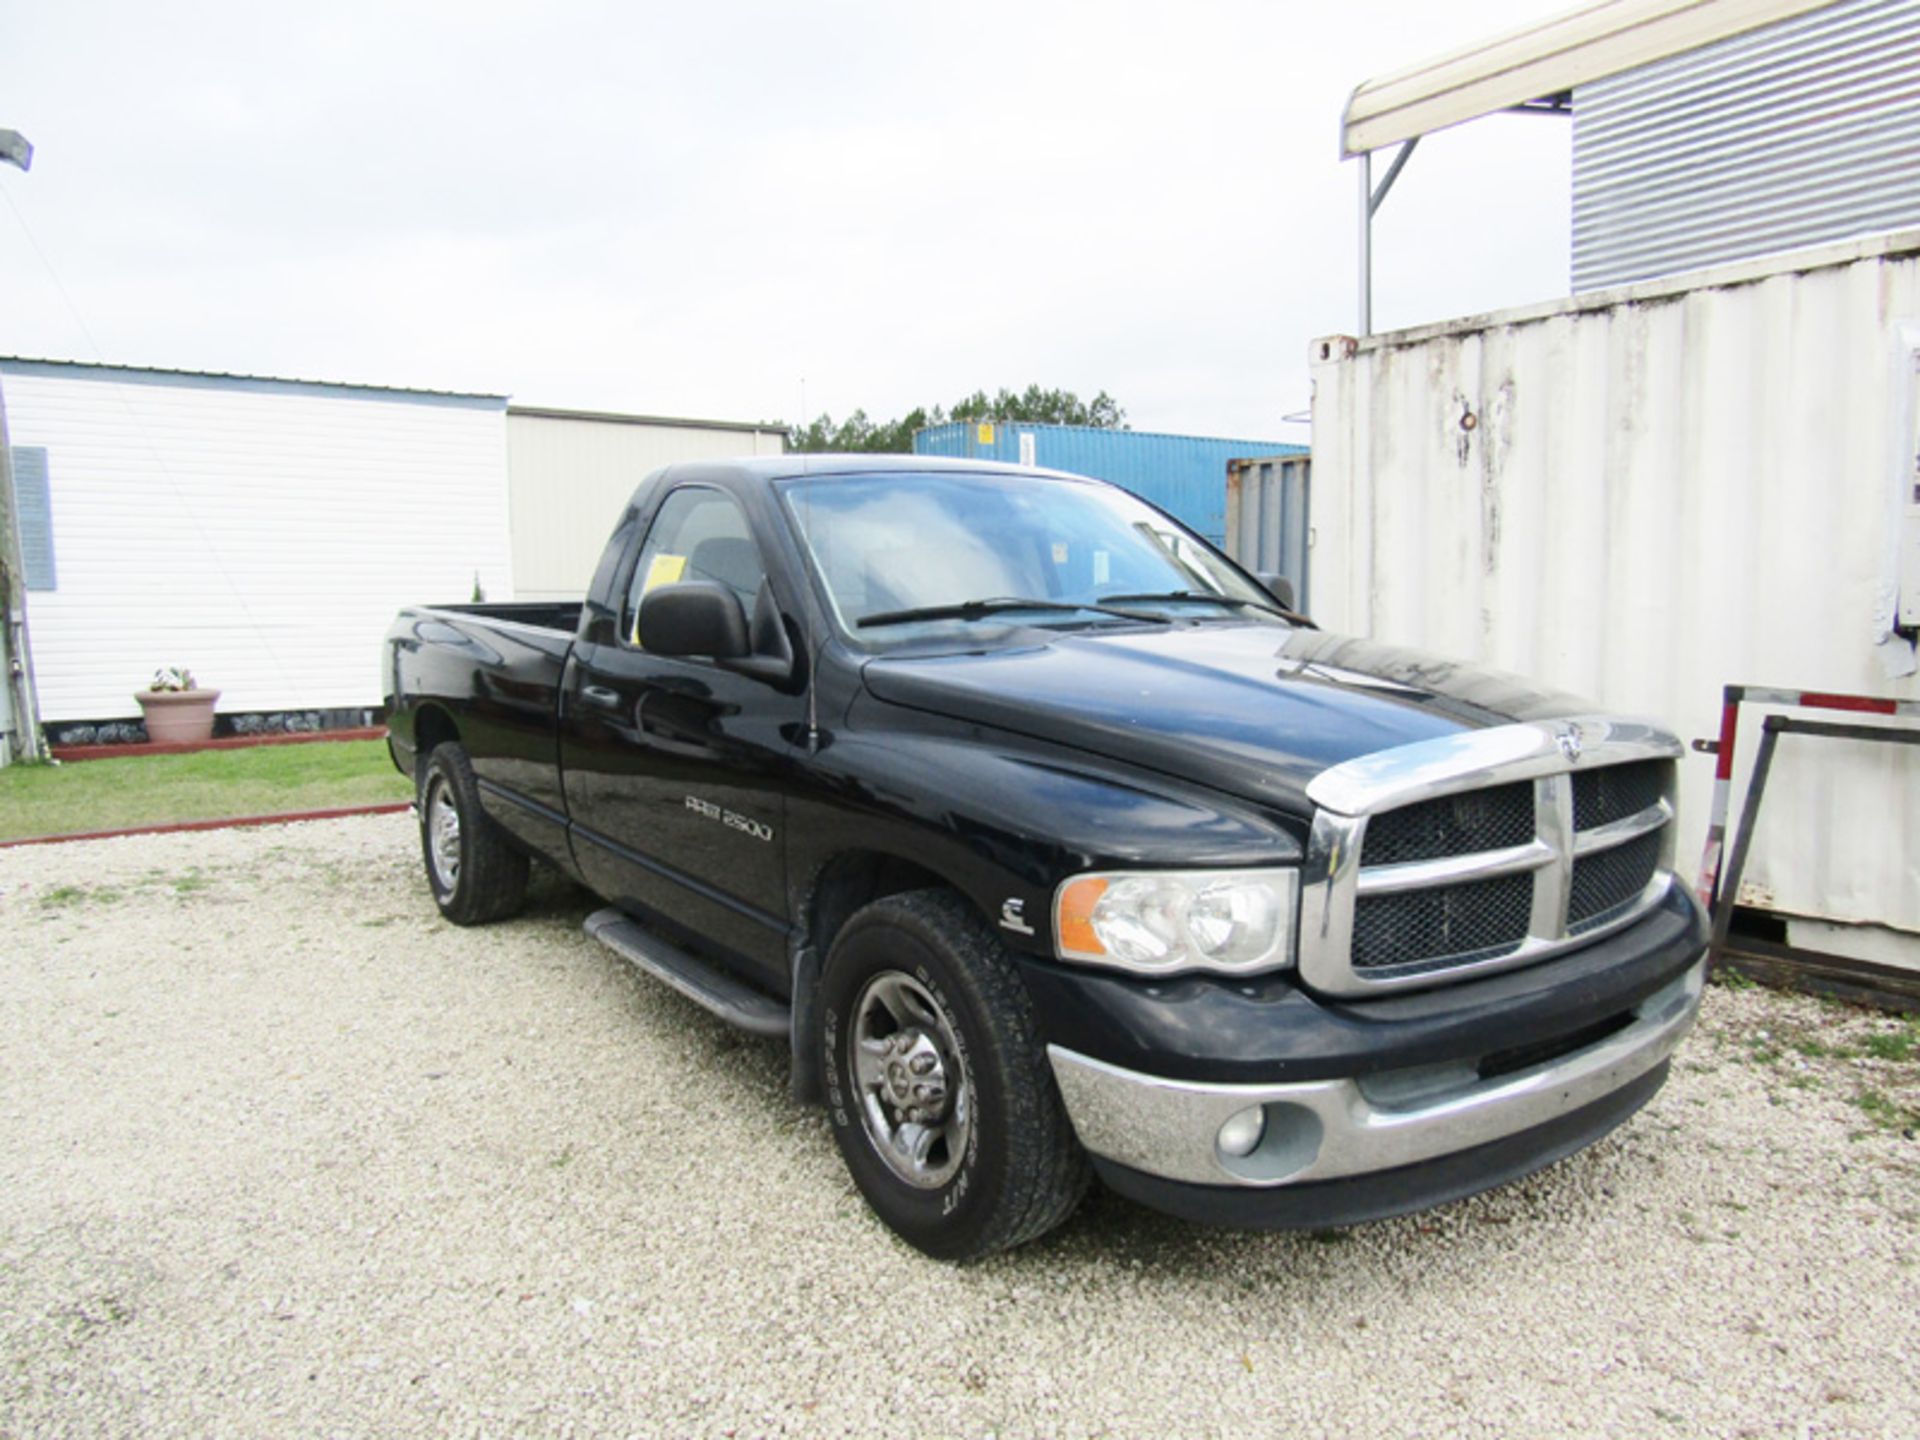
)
(675, 768)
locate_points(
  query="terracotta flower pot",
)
(177, 716)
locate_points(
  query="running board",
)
(704, 984)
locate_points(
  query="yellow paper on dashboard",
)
(665, 569)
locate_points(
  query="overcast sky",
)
(700, 209)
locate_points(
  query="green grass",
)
(1886, 1112)
(68, 897)
(206, 785)
(1898, 1045)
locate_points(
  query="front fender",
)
(1004, 819)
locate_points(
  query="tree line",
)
(859, 432)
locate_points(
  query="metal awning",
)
(1533, 70)
(1544, 60)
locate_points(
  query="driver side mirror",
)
(1278, 586)
(700, 618)
(694, 617)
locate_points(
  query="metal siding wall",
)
(1185, 475)
(570, 477)
(1802, 132)
(1658, 496)
(261, 535)
(1267, 518)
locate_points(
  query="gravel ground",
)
(282, 1153)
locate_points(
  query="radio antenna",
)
(813, 637)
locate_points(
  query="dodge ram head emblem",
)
(1569, 742)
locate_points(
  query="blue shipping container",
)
(1185, 475)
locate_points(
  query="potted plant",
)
(175, 708)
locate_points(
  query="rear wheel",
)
(938, 1088)
(475, 872)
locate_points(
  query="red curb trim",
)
(64, 753)
(234, 823)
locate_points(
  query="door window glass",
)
(699, 534)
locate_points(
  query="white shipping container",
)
(1642, 495)
(262, 533)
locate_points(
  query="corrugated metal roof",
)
(164, 372)
(1545, 59)
(1803, 132)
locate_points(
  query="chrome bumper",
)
(1327, 1129)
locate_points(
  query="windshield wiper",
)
(980, 609)
(1232, 600)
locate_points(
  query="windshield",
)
(887, 546)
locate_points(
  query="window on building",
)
(33, 506)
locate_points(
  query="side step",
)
(736, 1003)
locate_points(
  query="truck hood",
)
(1248, 708)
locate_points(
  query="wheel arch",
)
(851, 879)
(433, 726)
(838, 888)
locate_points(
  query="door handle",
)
(601, 696)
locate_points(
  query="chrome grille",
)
(1416, 931)
(1482, 851)
(1608, 880)
(1603, 796)
(1452, 825)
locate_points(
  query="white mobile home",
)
(263, 532)
(260, 532)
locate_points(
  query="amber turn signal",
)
(1073, 915)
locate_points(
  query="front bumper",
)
(1384, 1124)
(1268, 1029)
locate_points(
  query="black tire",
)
(1014, 1170)
(479, 874)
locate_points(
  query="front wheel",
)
(475, 872)
(938, 1088)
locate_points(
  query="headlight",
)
(1159, 922)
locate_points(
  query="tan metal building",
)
(571, 472)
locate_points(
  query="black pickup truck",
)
(1056, 845)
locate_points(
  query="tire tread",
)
(493, 870)
(1047, 1172)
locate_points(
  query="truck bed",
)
(563, 615)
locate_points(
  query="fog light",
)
(1242, 1131)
